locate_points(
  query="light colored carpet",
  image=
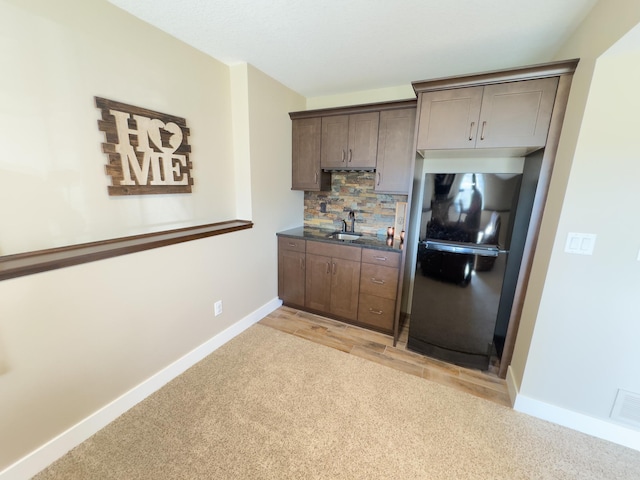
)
(269, 405)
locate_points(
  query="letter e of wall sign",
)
(147, 151)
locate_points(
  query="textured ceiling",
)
(324, 47)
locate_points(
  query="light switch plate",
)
(580, 243)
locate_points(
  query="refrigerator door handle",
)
(480, 250)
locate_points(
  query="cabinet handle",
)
(379, 282)
(316, 180)
(334, 268)
(378, 175)
(484, 124)
(301, 263)
(471, 130)
(293, 244)
(350, 155)
(382, 259)
(328, 268)
(343, 155)
(375, 312)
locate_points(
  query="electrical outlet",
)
(218, 308)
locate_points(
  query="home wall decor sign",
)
(147, 151)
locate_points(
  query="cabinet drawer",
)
(334, 250)
(378, 280)
(291, 244)
(381, 257)
(376, 312)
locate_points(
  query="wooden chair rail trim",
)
(28, 263)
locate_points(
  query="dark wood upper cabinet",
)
(305, 165)
(516, 114)
(353, 138)
(335, 141)
(350, 141)
(449, 118)
(502, 115)
(394, 165)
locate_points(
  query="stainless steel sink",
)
(344, 236)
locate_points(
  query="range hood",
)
(353, 169)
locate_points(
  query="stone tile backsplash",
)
(351, 191)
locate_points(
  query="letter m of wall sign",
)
(147, 151)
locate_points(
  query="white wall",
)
(56, 58)
(577, 342)
(73, 340)
(400, 92)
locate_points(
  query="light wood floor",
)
(379, 348)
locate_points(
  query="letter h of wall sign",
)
(148, 151)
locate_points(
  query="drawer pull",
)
(328, 267)
(379, 282)
(293, 244)
(375, 312)
(382, 259)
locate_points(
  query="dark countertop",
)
(378, 242)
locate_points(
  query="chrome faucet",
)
(352, 219)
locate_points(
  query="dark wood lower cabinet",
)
(318, 283)
(332, 285)
(345, 286)
(291, 270)
(351, 283)
(376, 312)
(379, 276)
(333, 279)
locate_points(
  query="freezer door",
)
(455, 303)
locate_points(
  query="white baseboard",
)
(595, 427)
(43, 456)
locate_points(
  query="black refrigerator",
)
(463, 282)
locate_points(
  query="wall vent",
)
(626, 408)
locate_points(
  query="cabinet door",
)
(291, 270)
(335, 141)
(376, 312)
(394, 165)
(379, 281)
(449, 118)
(516, 114)
(305, 155)
(345, 287)
(318, 282)
(291, 277)
(363, 140)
